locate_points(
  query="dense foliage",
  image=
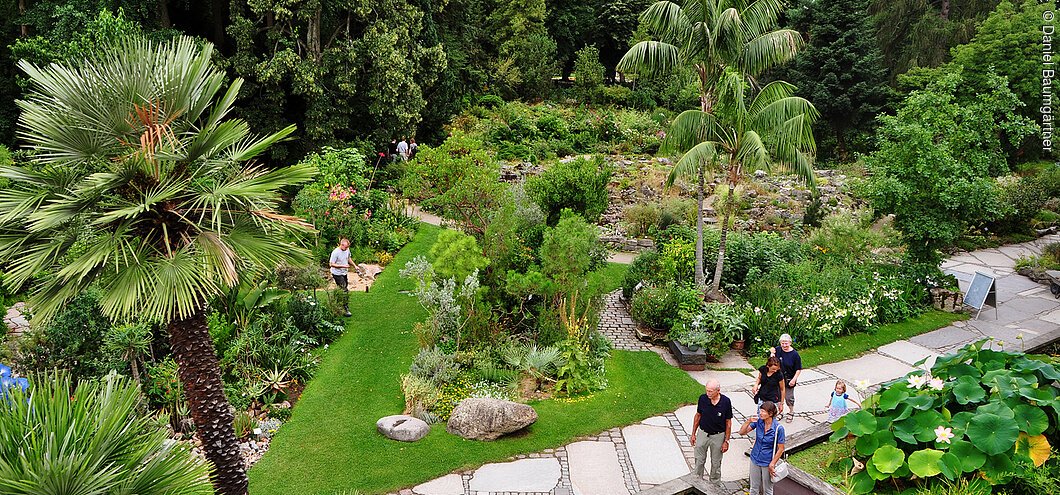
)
(107, 445)
(936, 160)
(979, 412)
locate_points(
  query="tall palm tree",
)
(90, 439)
(710, 37)
(140, 186)
(737, 136)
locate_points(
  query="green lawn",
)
(852, 346)
(330, 444)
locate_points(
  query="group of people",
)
(403, 150)
(774, 390)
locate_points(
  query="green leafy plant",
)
(106, 445)
(132, 342)
(979, 412)
(580, 185)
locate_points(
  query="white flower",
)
(935, 384)
(917, 381)
(943, 434)
(861, 384)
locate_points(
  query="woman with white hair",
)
(791, 366)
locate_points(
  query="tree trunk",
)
(162, 7)
(135, 370)
(700, 282)
(313, 35)
(716, 284)
(201, 377)
(944, 10)
(23, 28)
(704, 102)
(841, 145)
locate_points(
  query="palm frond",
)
(701, 155)
(760, 17)
(688, 129)
(667, 21)
(650, 57)
(769, 50)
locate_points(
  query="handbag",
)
(781, 468)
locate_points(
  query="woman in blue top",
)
(763, 456)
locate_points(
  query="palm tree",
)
(140, 187)
(91, 439)
(710, 37)
(776, 127)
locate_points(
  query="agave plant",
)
(90, 440)
(141, 187)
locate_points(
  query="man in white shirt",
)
(403, 150)
(340, 268)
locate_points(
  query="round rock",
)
(402, 427)
(487, 419)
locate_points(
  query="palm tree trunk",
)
(201, 377)
(716, 284)
(700, 282)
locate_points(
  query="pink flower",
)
(943, 434)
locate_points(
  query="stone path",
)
(636, 457)
(1027, 314)
(15, 320)
(618, 326)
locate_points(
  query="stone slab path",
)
(636, 457)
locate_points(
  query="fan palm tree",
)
(90, 440)
(710, 37)
(139, 186)
(774, 128)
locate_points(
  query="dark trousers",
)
(343, 282)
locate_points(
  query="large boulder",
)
(402, 427)
(487, 419)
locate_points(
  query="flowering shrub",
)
(978, 412)
(344, 202)
(815, 303)
(662, 306)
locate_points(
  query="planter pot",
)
(688, 359)
(737, 345)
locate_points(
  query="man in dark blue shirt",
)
(713, 426)
(791, 366)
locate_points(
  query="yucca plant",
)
(710, 37)
(62, 440)
(141, 187)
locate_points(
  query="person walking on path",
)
(770, 384)
(791, 365)
(393, 149)
(412, 148)
(769, 446)
(837, 403)
(713, 428)
(340, 269)
(403, 150)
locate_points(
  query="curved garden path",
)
(638, 456)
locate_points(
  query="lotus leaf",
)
(968, 390)
(971, 457)
(992, 433)
(950, 465)
(1034, 446)
(925, 463)
(888, 459)
(1031, 420)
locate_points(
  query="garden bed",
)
(359, 381)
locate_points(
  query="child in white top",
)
(837, 403)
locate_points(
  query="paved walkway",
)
(628, 459)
